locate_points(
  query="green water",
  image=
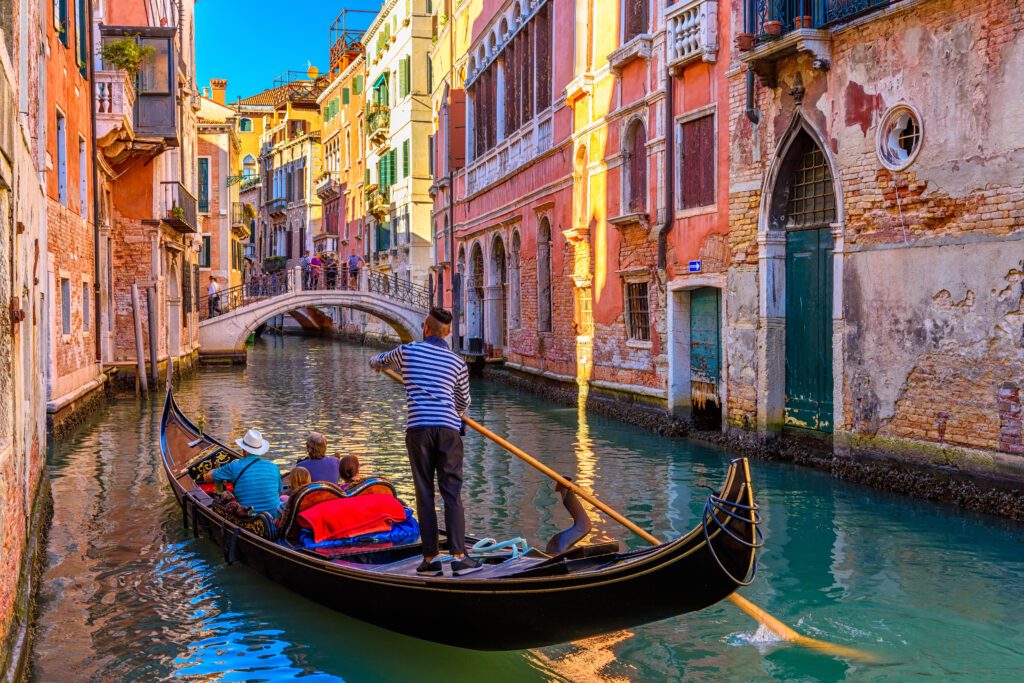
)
(935, 592)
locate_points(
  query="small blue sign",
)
(695, 266)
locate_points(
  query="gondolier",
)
(437, 393)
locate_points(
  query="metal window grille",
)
(811, 199)
(638, 311)
(910, 136)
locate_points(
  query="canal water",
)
(933, 591)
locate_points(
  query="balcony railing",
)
(115, 99)
(278, 205)
(378, 201)
(692, 31)
(508, 155)
(760, 16)
(239, 214)
(378, 119)
(327, 186)
(178, 207)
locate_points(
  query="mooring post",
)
(140, 356)
(151, 316)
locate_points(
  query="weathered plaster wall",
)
(928, 347)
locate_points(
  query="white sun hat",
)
(253, 442)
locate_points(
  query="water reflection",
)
(130, 595)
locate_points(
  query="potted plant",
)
(125, 54)
(773, 28)
(744, 41)
(178, 212)
(803, 22)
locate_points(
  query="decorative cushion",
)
(350, 517)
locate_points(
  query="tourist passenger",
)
(349, 469)
(256, 482)
(322, 467)
(297, 478)
(437, 394)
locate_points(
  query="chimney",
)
(218, 88)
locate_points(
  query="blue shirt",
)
(322, 469)
(259, 487)
(436, 382)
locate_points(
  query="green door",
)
(809, 329)
(705, 348)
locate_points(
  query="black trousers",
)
(437, 451)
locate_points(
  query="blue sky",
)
(252, 42)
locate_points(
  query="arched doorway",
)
(173, 313)
(544, 276)
(459, 295)
(497, 310)
(801, 212)
(475, 302)
(514, 285)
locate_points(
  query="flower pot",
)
(802, 22)
(773, 27)
(744, 41)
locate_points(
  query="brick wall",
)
(928, 332)
(70, 240)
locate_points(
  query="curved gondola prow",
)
(730, 524)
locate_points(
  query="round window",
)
(899, 137)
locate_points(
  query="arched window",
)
(245, 125)
(498, 293)
(636, 168)
(635, 20)
(248, 166)
(475, 299)
(460, 271)
(514, 285)
(544, 276)
(807, 199)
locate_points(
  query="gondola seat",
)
(303, 499)
(321, 492)
(262, 524)
(209, 460)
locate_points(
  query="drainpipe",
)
(98, 326)
(670, 160)
(751, 112)
(454, 278)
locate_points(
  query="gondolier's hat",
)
(253, 442)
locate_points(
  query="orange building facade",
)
(590, 186)
(74, 374)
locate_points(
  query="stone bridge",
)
(400, 305)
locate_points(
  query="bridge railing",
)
(261, 286)
(256, 289)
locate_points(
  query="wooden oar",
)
(763, 617)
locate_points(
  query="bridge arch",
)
(225, 335)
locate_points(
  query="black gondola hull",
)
(505, 613)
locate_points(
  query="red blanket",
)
(351, 517)
(212, 488)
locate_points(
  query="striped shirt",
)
(436, 382)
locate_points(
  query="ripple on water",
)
(128, 594)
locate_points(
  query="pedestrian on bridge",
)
(437, 394)
(354, 261)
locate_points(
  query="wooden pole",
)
(771, 623)
(151, 309)
(140, 352)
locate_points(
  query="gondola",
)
(519, 600)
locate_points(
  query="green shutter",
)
(345, 97)
(403, 77)
(81, 35)
(393, 166)
(357, 85)
(406, 146)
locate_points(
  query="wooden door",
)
(705, 350)
(809, 329)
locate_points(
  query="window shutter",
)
(392, 166)
(403, 78)
(357, 85)
(345, 96)
(405, 158)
